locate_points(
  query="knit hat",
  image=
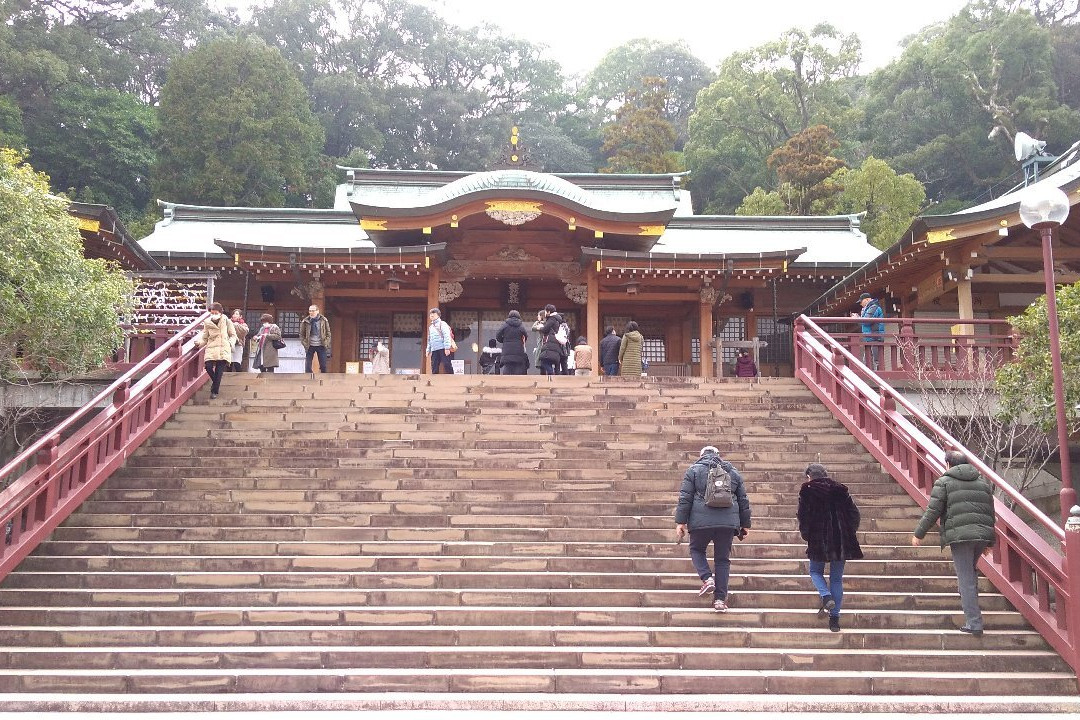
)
(708, 449)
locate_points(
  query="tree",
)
(641, 140)
(1026, 384)
(624, 69)
(60, 310)
(97, 144)
(805, 166)
(236, 128)
(984, 72)
(890, 200)
(763, 203)
(760, 99)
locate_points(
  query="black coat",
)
(552, 349)
(512, 335)
(692, 509)
(828, 521)
(609, 349)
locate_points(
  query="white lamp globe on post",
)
(1044, 208)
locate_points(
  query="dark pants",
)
(265, 369)
(965, 555)
(215, 369)
(699, 544)
(564, 365)
(835, 585)
(439, 359)
(549, 367)
(872, 352)
(611, 369)
(515, 367)
(313, 351)
(234, 367)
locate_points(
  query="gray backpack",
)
(718, 488)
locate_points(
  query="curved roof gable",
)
(515, 183)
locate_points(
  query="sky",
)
(580, 32)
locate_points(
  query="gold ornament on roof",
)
(513, 212)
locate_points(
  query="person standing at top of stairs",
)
(716, 525)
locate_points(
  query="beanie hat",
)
(708, 449)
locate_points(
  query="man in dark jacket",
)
(609, 352)
(828, 521)
(553, 353)
(964, 502)
(512, 334)
(315, 337)
(711, 524)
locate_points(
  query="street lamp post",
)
(1044, 209)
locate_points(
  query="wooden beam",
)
(381, 294)
(623, 296)
(1030, 253)
(1023, 278)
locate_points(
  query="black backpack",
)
(718, 487)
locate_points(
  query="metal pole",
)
(1068, 493)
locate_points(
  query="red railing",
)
(63, 472)
(912, 348)
(1027, 569)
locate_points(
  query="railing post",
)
(906, 343)
(1072, 580)
(47, 457)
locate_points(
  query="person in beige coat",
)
(630, 351)
(218, 337)
(241, 337)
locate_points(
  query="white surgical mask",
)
(215, 316)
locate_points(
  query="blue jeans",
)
(312, 352)
(699, 544)
(549, 367)
(835, 586)
(611, 369)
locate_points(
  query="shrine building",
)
(603, 248)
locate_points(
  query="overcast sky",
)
(579, 32)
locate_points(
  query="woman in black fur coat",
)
(828, 521)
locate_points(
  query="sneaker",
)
(834, 623)
(707, 587)
(720, 606)
(213, 396)
(827, 605)
(971, 631)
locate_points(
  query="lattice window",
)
(409, 323)
(372, 330)
(653, 350)
(779, 338)
(734, 328)
(695, 351)
(289, 322)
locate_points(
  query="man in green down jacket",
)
(964, 501)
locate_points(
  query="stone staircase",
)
(482, 536)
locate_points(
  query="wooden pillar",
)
(965, 305)
(707, 297)
(592, 315)
(432, 302)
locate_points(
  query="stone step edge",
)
(727, 703)
(511, 702)
(1017, 653)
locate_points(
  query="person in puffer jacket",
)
(963, 500)
(718, 526)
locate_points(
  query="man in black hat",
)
(873, 332)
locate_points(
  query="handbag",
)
(278, 344)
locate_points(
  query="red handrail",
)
(65, 472)
(916, 348)
(911, 447)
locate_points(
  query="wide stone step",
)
(412, 654)
(931, 568)
(165, 577)
(631, 681)
(194, 590)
